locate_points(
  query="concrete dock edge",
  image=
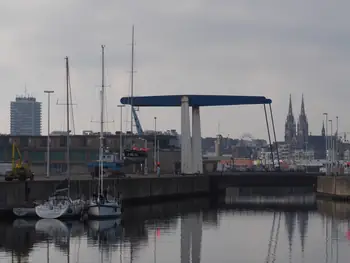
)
(334, 187)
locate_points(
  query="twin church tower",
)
(296, 135)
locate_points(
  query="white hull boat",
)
(25, 211)
(60, 207)
(100, 206)
(103, 209)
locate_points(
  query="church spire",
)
(290, 110)
(323, 131)
(302, 111)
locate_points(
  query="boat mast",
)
(132, 81)
(68, 131)
(101, 122)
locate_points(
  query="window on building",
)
(58, 156)
(78, 156)
(43, 142)
(25, 141)
(63, 141)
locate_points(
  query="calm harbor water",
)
(246, 225)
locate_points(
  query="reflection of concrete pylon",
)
(191, 238)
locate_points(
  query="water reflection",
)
(250, 225)
(191, 238)
(336, 226)
(270, 196)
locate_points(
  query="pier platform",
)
(334, 187)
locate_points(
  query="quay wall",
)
(263, 179)
(131, 189)
(337, 187)
(144, 188)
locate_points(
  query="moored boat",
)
(61, 205)
(100, 205)
(104, 207)
(26, 211)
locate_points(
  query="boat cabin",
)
(111, 157)
(135, 155)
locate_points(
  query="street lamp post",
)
(155, 145)
(158, 151)
(146, 160)
(331, 144)
(145, 169)
(326, 138)
(336, 141)
(121, 132)
(307, 157)
(48, 92)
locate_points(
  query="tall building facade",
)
(296, 135)
(25, 116)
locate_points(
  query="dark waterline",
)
(245, 225)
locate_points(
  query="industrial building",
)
(83, 149)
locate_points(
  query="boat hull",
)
(51, 212)
(64, 210)
(24, 212)
(105, 210)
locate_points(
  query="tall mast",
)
(102, 121)
(132, 80)
(68, 131)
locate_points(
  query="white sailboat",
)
(60, 204)
(102, 205)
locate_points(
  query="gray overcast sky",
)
(243, 47)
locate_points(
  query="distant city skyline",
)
(222, 47)
(112, 127)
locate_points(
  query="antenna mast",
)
(102, 121)
(132, 80)
(25, 89)
(68, 131)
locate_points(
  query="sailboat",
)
(133, 154)
(102, 205)
(60, 203)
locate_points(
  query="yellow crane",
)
(20, 171)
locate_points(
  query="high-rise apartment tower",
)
(25, 116)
